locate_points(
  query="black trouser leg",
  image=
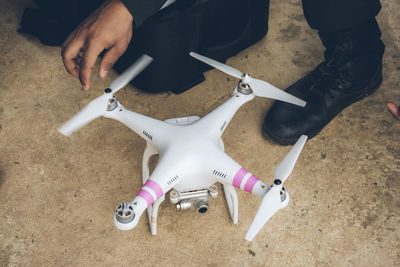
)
(332, 15)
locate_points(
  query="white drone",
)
(191, 153)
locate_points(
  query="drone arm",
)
(127, 215)
(152, 130)
(229, 172)
(218, 120)
(244, 180)
(163, 178)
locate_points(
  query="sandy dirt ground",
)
(58, 194)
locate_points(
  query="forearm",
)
(143, 9)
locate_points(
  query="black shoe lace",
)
(324, 69)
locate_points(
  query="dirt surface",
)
(58, 194)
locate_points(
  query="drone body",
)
(191, 154)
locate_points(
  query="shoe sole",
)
(372, 88)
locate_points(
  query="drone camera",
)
(201, 205)
(198, 199)
(203, 210)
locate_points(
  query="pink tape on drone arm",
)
(155, 187)
(248, 187)
(237, 180)
(146, 196)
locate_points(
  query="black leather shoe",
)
(352, 70)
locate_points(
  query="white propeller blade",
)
(264, 89)
(130, 73)
(218, 65)
(93, 110)
(287, 164)
(98, 106)
(271, 201)
(259, 87)
(270, 204)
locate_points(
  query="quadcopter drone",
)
(191, 153)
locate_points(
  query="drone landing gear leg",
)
(232, 202)
(152, 210)
(230, 196)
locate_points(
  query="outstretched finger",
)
(90, 55)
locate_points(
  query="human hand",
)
(108, 27)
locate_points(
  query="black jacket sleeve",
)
(143, 9)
